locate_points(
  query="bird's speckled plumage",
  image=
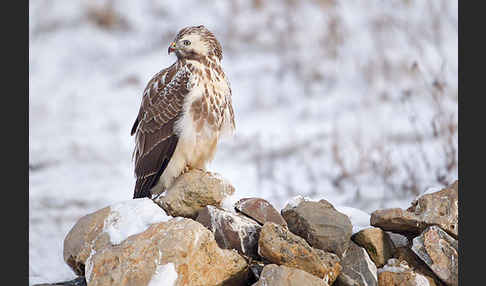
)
(185, 109)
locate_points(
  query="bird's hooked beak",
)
(172, 47)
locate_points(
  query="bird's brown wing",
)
(162, 106)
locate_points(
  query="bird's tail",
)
(142, 187)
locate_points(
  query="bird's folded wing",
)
(162, 106)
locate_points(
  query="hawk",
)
(186, 108)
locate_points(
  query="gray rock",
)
(260, 210)
(377, 243)
(400, 240)
(320, 224)
(231, 231)
(440, 252)
(438, 208)
(192, 191)
(274, 275)
(358, 269)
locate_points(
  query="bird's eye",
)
(186, 42)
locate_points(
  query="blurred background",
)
(352, 101)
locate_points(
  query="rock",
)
(415, 263)
(398, 273)
(192, 191)
(231, 231)
(179, 251)
(407, 278)
(278, 245)
(357, 268)
(260, 210)
(79, 281)
(440, 252)
(274, 275)
(83, 237)
(108, 226)
(320, 224)
(377, 243)
(439, 208)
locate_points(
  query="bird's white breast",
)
(198, 139)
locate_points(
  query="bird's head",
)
(194, 43)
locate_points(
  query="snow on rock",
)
(132, 217)
(143, 258)
(231, 230)
(394, 265)
(165, 275)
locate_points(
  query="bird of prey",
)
(186, 108)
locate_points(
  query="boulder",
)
(377, 243)
(357, 268)
(260, 210)
(231, 231)
(280, 246)
(177, 252)
(108, 226)
(438, 208)
(192, 191)
(398, 273)
(320, 224)
(415, 263)
(440, 252)
(274, 275)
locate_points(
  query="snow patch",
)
(229, 202)
(359, 219)
(131, 217)
(420, 280)
(165, 275)
(394, 265)
(394, 269)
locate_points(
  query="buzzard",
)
(185, 110)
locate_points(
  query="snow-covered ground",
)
(351, 101)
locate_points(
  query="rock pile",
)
(190, 236)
